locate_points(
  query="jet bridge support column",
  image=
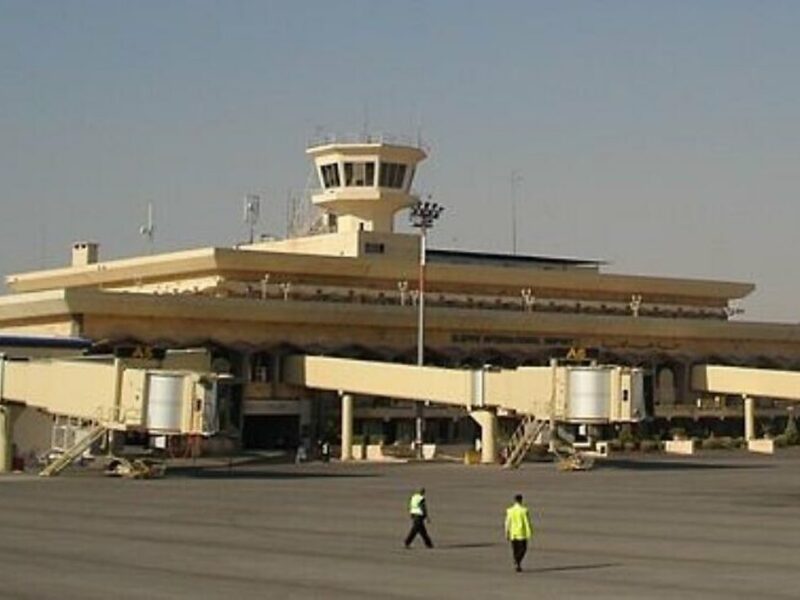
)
(749, 418)
(487, 419)
(5, 438)
(347, 426)
(5, 424)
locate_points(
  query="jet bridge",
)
(747, 383)
(768, 383)
(567, 394)
(106, 394)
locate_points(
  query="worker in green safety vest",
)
(418, 511)
(518, 530)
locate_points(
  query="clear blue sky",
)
(661, 136)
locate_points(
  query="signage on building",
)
(494, 338)
(581, 354)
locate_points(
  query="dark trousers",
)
(418, 527)
(519, 548)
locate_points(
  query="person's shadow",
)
(470, 545)
(574, 567)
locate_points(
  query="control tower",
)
(364, 184)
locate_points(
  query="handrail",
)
(521, 440)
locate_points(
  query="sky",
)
(662, 137)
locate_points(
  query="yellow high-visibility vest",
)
(416, 505)
(518, 523)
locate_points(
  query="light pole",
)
(148, 230)
(423, 216)
(251, 212)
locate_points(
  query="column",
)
(749, 418)
(275, 374)
(248, 375)
(347, 426)
(686, 383)
(5, 439)
(487, 419)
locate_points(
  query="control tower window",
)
(392, 175)
(330, 175)
(359, 174)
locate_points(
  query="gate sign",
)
(576, 353)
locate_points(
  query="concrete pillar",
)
(685, 393)
(347, 427)
(487, 419)
(749, 419)
(5, 439)
(305, 414)
(247, 367)
(276, 370)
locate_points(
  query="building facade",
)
(352, 289)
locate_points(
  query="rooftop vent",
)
(84, 253)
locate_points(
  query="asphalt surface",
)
(722, 525)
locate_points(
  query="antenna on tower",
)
(148, 230)
(291, 213)
(251, 213)
(365, 131)
(42, 244)
(418, 128)
(516, 178)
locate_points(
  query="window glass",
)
(383, 175)
(359, 174)
(411, 174)
(392, 175)
(399, 176)
(330, 175)
(374, 248)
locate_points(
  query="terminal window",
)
(374, 248)
(359, 174)
(261, 368)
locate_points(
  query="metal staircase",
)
(74, 451)
(521, 441)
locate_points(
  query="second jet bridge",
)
(748, 383)
(556, 393)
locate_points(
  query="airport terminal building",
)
(352, 289)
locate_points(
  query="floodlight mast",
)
(251, 213)
(423, 216)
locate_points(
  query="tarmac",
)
(720, 525)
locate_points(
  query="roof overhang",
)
(249, 264)
(93, 302)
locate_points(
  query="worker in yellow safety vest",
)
(418, 511)
(518, 530)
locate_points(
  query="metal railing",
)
(325, 138)
(521, 441)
